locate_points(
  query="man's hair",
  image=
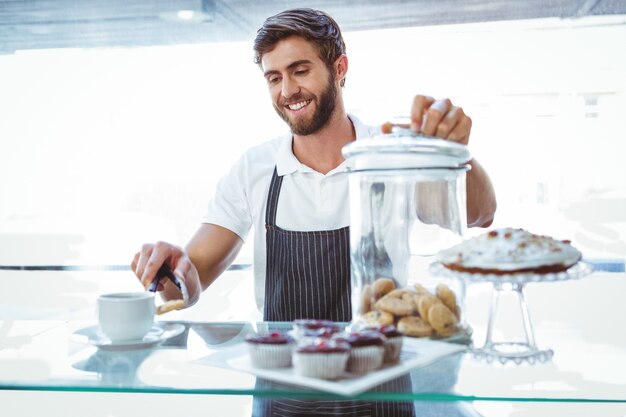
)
(313, 25)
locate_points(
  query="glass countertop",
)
(580, 320)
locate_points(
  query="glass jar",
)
(407, 202)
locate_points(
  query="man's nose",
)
(289, 87)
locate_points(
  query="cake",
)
(393, 341)
(510, 251)
(367, 350)
(315, 328)
(321, 358)
(272, 350)
(321, 333)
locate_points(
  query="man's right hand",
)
(147, 262)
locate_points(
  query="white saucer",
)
(160, 332)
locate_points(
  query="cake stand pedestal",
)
(508, 291)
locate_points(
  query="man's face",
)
(303, 90)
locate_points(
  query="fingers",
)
(133, 264)
(440, 118)
(461, 131)
(140, 260)
(147, 262)
(419, 106)
(454, 126)
(435, 118)
(182, 268)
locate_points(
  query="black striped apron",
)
(307, 273)
(308, 277)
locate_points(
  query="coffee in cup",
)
(126, 316)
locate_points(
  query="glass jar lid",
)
(405, 150)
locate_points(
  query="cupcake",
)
(322, 358)
(393, 340)
(367, 350)
(272, 350)
(393, 343)
(315, 328)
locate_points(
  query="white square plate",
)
(415, 353)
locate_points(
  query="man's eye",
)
(302, 72)
(273, 80)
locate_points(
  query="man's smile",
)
(299, 105)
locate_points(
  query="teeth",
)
(298, 106)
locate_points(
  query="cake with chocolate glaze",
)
(393, 343)
(321, 358)
(393, 340)
(272, 350)
(510, 251)
(315, 328)
(367, 350)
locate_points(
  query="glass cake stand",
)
(511, 287)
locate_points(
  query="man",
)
(293, 190)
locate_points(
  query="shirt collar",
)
(287, 163)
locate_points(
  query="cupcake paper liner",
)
(320, 365)
(365, 358)
(270, 355)
(393, 347)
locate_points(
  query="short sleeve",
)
(229, 206)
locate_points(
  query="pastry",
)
(409, 310)
(169, 306)
(510, 251)
(414, 326)
(271, 350)
(447, 296)
(393, 343)
(367, 350)
(366, 299)
(382, 286)
(325, 359)
(420, 289)
(394, 305)
(314, 328)
(424, 303)
(442, 320)
(377, 317)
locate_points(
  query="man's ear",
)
(341, 68)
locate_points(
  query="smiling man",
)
(294, 190)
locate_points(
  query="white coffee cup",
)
(126, 316)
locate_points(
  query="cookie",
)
(169, 306)
(420, 289)
(377, 317)
(442, 320)
(414, 326)
(382, 286)
(413, 298)
(424, 303)
(394, 305)
(398, 293)
(457, 312)
(447, 296)
(366, 300)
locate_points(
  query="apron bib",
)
(307, 273)
(308, 277)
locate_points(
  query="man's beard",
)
(325, 106)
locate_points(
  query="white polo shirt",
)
(308, 201)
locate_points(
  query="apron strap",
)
(272, 199)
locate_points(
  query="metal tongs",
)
(165, 272)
